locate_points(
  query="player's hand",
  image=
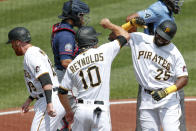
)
(51, 112)
(158, 95)
(105, 22)
(25, 106)
(69, 116)
(138, 22)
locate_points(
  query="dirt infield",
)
(123, 118)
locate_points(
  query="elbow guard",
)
(45, 79)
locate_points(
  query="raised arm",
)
(117, 30)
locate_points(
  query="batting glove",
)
(158, 95)
(137, 22)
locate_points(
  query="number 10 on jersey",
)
(93, 77)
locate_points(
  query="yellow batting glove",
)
(137, 21)
(160, 94)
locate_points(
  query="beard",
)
(18, 51)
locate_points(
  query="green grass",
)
(39, 16)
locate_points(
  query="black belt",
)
(95, 102)
(60, 69)
(148, 91)
(41, 95)
(55, 89)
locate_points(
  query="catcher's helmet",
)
(174, 5)
(72, 9)
(86, 37)
(167, 29)
(19, 33)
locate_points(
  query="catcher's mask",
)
(165, 32)
(86, 37)
(75, 10)
(19, 33)
(174, 5)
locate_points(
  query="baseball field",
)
(39, 15)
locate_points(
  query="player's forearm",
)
(65, 63)
(48, 93)
(65, 102)
(114, 28)
(180, 83)
(131, 16)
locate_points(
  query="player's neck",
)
(26, 47)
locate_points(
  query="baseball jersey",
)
(154, 15)
(36, 63)
(63, 43)
(90, 71)
(155, 67)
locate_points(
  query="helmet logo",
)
(167, 29)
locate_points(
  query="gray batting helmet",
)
(86, 36)
(167, 29)
(19, 33)
(174, 5)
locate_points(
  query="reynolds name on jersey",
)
(85, 61)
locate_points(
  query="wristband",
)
(171, 89)
(122, 40)
(48, 94)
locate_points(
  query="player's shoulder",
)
(158, 7)
(141, 37)
(34, 51)
(174, 48)
(105, 46)
(65, 34)
(139, 34)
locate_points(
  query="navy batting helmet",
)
(72, 8)
(19, 33)
(174, 5)
(167, 29)
(86, 37)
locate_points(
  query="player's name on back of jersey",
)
(85, 61)
(155, 58)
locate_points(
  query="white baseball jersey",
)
(90, 71)
(36, 63)
(157, 68)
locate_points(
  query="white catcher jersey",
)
(155, 67)
(90, 71)
(36, 63)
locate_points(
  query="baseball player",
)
(90, 73)
(154, 15)
(160, 71)
(41, 82)
(63, 41)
